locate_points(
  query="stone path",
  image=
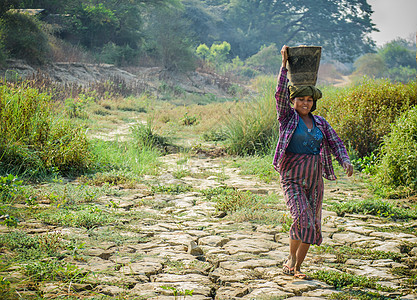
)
(175, 244)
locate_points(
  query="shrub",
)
(117, 55)
(362, 115)
(398, 167)
(32, 141)
(24, 37)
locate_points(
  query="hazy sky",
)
(394, 18)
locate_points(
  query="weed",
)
(173, 189)
(349, 252)
(261, 166)
(359, 295)
(177, 292)
(188, 120)
(125, 157)
(374, 207)
(214, 135)
(144, 136)
(87, 217)
(29, 247)
(342, 280)
(181, 172)
(10, 187)
(54, 270)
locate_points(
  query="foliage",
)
(32, 246)
(257, 23)
(398, 166)
(144, 136)
(267, 59)
(395, 60)
(34, 142)
(171, 40)
(254, 129)
(342, 280)
(125, 157)
(375, 207)
(23, 37)
(345, 252)
(261, 166)
(118, 55)
(84, 216)
(172, 189)
(366, 164)
(370, 64)
(189, 120)
(361, 115)
(10, 187)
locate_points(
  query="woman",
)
(303, 157)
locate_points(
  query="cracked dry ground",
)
(166, 244)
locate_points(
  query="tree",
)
(370, 64)
(169, 39)
(395, 60)
(341, 27)
(24, 38)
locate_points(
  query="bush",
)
(362, 115)
(24, 38)
(118, 55)
(32, 141)
(398, 167)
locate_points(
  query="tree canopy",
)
(341, 27)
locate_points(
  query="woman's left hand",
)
(348, 168)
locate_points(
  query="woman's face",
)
(303, 105)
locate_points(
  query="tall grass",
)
(33, 141)
(254, 129)
(126, 156)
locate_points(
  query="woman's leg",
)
(300, 255)
(298, 252)
(294, 245)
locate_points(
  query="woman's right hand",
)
(284, 54)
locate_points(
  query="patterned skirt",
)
(302, 184)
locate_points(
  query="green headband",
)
(305, 90)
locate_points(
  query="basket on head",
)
(303, 64)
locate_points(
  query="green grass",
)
(344, 280)
(34, 141)
(123, 156)
(345, 252)
(244, 206)
(254, 129)
(29, 247)
(374, 207)
(87, 216)
(172, 189)
(261, 166)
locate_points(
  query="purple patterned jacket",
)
(288, 119)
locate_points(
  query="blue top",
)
(304, 140)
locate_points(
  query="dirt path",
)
(168, 244)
